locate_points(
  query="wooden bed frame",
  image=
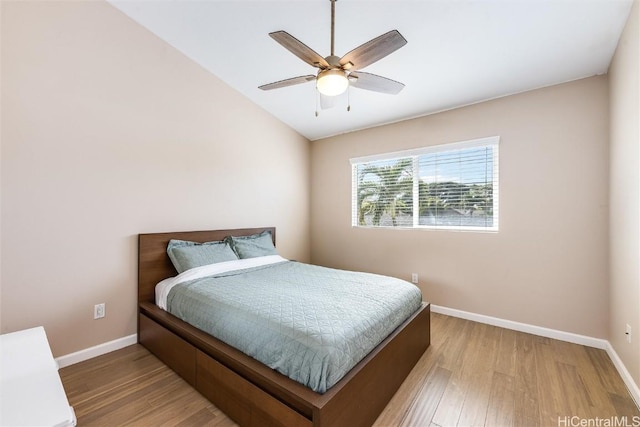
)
(251, 393)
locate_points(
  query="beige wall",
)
(108, 132)
(624, 78)
(547, 266)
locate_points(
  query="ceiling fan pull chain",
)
(349, 98)
(317, 95)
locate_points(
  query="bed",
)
(249, 392)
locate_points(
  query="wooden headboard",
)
(154, 264)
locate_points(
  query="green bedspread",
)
(312, 324)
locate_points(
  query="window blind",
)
(451, 186)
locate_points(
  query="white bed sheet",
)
(164, 287)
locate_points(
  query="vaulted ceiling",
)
(459, 52)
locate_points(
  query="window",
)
(451, 186)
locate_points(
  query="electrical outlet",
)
(414, 277)
(628, 333)
(98, 311)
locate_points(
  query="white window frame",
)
(493, 141)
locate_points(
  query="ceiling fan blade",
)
(288, 82)
(373, 50)
(375, 83)
(299, 49)
(327, 102)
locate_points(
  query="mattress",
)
(310, 323)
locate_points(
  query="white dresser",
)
(31, 392)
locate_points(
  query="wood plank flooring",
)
(471, 375)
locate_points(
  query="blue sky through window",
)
(470, 166)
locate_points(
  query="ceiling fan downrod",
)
(333, 25)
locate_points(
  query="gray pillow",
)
(185, 255)
(253, 246)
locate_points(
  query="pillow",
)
(185, 255)
(256, 245)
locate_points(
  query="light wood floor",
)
(471, 375)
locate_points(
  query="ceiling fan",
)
(336, 74)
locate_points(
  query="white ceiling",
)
(459, 52)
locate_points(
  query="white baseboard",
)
(95, 351)
(624, 373)
(634, 391)
(523, 327)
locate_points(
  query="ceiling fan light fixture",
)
(332, 82)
